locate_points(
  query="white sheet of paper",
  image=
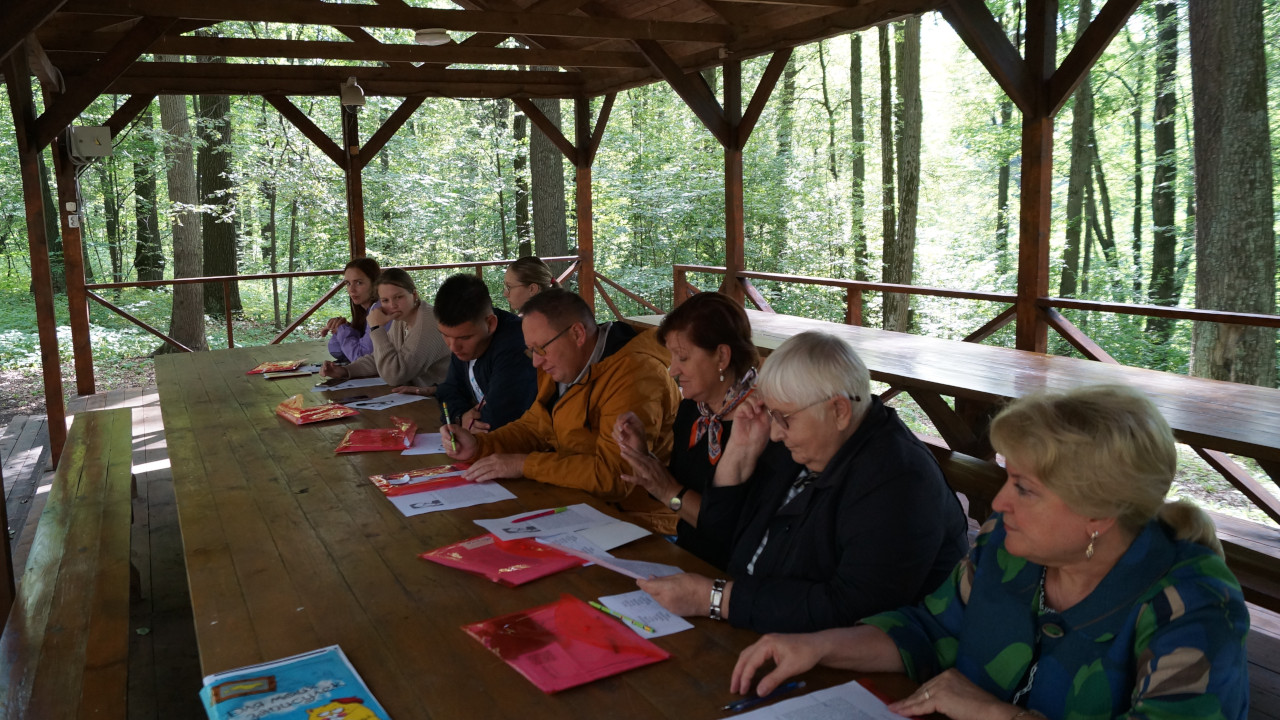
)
(573, 518)
(313, 369)
(849, 701)
(615, 534)
(450, 498)
(351, 384)
(384, 402)
(638, 569)
(641, 606)
(426, 443)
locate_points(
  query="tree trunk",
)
(293, 256)
(888, 213)
(830, 107)
(1002, 193)
(1078, 175)
(52, 230)
(111, 214)
(786, 107)
(858, 161)
(1164, 245)
(186, 324)
(500, 114)
(546, 177)
(519, 169)
(269, 233)
(148, 257)
(1235, 209)
(900, 255)
(213, 167)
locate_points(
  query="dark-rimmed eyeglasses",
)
(541, 350)
(784, 420)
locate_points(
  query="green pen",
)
(620, 616)
(452, 440)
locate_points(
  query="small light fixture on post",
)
(351, 94)
(432, 37)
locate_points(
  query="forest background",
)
(833, 188)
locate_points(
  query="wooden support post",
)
(584, 156)
(734, 215)
(19, 78)
(70, 212)
(352, 168)
(1037, 178)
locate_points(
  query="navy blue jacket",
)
(504, 373)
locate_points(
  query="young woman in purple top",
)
(351, 340)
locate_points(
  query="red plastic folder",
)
(421, 480)
(397, 437)
(276, 366)
(565, 644)
(511, 563)
(293, 411)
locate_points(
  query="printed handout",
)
(426, 443)
(542, 523)
(450, 498)
(351, 384)
(384, 402)
(849, 701)
(641, 606)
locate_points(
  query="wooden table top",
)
(1234, 418)
(289, 547)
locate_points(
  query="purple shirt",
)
(347, 344)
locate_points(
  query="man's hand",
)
(501, 466)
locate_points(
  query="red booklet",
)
(422, 479)
(510, 563)
(276, 366)
(564, 644)
(293, 411)
(397, 437)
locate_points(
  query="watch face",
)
(674, 504)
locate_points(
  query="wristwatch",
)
(717, 596)
(674, 503)
(374, 327)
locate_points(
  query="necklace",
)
(1031, 675)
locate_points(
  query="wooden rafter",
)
(1097, 36)
(507, 23)
(548, 128)
(977, 27)
(308, 128)
(593, 144)
(690, 87)
(465, 52)
(374, 145)
(21, 18)
(84, 89)
(764, 89)
(127, 112)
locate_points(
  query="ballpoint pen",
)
(743, 704)
(537, 515)
(620, 616)
(453, 442)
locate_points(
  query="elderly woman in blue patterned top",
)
(1086, 595)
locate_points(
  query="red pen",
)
(537, 515)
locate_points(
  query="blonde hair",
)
(812, 366)
(1106, 451)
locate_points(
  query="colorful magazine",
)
(397, 437)
(511, 563)
(564, 644)
(293, 411)
(276, 366)
(317, 684)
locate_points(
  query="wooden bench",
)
(64, 650)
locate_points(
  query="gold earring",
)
(1088, 552)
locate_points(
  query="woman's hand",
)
(686, 594)
(376, 317)
(953, 695)
(649, 473)
(412, 390)
(747, 441)
(332, 325)
(790, 654)
(331, 369)
(628, 432)
(471, 421)
(501, 466)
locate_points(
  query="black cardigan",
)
(878, 530)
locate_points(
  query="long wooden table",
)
(1229, 417)
(289, 547)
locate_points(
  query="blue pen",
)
(743, 704)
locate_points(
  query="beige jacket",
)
(418, 357)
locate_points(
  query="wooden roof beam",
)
(393, 123)
(21, 18)
(601, 123)
(506, 23)
(548, 128)
(127, 112)
(691, 88)
(1097, 36)
(764, 90)
(978, 28)
(320, 86)
(86, 88)
(308, 128)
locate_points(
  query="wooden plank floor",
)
(164, 671)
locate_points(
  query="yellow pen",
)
(620, 616)
(452, 440)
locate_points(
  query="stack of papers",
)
(437, 488)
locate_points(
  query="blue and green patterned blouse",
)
(1162, 636)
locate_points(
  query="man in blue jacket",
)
(490, 381)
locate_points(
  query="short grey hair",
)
(813, 366)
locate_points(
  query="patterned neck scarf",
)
(710, 424)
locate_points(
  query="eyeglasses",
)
(508, 287)
(784, 421)
(541, 350)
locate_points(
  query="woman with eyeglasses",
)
(851, 517)
(713, 360)
(525, 278)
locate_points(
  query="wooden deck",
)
(164, 674)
